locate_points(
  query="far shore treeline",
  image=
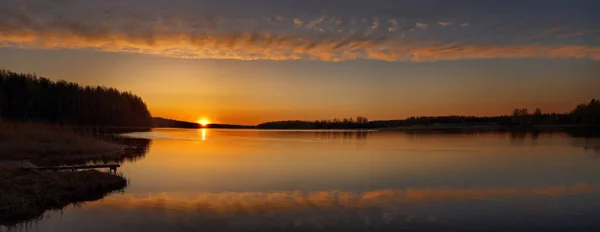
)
(587, 114)
(27, 97)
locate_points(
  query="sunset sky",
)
(246, 62)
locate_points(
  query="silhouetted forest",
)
(583, 114)
(346, 123)
(229, 126)
(27, 97)
(587, 113)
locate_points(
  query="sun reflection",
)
(203, 134)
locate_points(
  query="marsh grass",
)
(26, 194)
(26, 140)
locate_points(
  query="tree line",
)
(587, 113)
(345, 123)
(583, 114)
(27, 97)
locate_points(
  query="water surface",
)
(250, 180)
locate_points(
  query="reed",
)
(28, 140)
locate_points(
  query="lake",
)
(252, 180)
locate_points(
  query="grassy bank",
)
(20, 140)
(28, 194)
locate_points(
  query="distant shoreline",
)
(490, 127)
(483, 128)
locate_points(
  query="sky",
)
(247, 62)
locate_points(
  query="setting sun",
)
(203, 122)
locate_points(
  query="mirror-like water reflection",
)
(249, 180)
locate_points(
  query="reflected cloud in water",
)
(293, 201)
(333, 210)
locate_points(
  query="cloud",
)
(465, 24)
(374, 24)
(313, 23)
(298, 22)
(273, 20)
(421, 25)
(560, 32)
(339, 22)
(444, 23)
(394, 25)
(255, 46)
(554, 30)
(573, 34)
(220, 37)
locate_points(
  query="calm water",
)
(243, 180)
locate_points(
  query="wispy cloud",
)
(444, 23)
(572, 34)
(248, 46)
(421, 25)
(298, 22)
(375, 24)
(220, 37)
(313, 23)
(394, 25)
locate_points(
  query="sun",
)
(203, 122)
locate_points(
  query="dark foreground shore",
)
(26, 194)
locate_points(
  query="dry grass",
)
(26, 194)
(35, 140)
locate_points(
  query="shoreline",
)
(26, 194)
(492, 127)
(484, 128)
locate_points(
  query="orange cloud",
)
(444, 23)
(247, 46)
(298, 22)
(198, 39)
